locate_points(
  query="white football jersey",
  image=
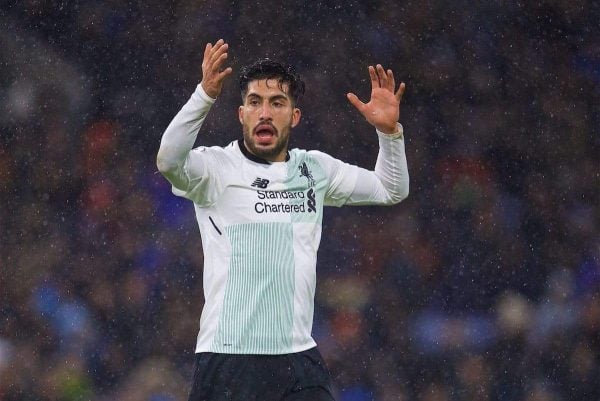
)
(260, 224)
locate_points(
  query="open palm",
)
(383, 109)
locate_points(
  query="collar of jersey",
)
(254, 158)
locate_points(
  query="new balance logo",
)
(260, 183)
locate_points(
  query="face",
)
(267, 117)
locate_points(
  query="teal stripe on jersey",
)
(258, 308)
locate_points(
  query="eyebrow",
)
(271, 98)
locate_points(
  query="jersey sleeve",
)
(341, 178)
(203, 169)
(387, 184)
(193, 173)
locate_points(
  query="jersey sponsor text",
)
(264, 207)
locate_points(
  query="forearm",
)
(391, 167)
(179, 137)
(389, 182)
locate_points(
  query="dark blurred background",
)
(483, 285)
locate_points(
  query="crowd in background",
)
(484, 285)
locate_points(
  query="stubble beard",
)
(281, 143)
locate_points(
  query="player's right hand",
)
(212, 76)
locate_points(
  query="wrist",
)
(397, 132)
(201, 91)
(210, 92)
(390, 130)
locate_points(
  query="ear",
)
(241, 114)
(296, 114)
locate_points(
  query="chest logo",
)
(305, 172)
(260, 183)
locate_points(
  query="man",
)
(259, 207)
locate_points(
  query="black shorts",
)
(290, 377)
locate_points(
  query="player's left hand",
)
(383, 110)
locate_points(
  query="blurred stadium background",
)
(483, 285)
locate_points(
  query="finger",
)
(400, 91)
(207, 51)
(218, 51)
(355, 101)
(383, 81)
(391, 81)
(227, 71)
(216, 66)
(213, 49)
(374, 78)
(219, 43)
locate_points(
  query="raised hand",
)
(383, 110)
(212, 76)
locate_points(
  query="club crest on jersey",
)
(260, 183)
(305, 172)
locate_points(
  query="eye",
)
(278, 104)
(253, 102)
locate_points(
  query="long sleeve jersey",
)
(260, 224)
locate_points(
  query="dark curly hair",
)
(270, 69)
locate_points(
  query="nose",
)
(265, 112)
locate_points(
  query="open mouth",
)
(264, 132)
